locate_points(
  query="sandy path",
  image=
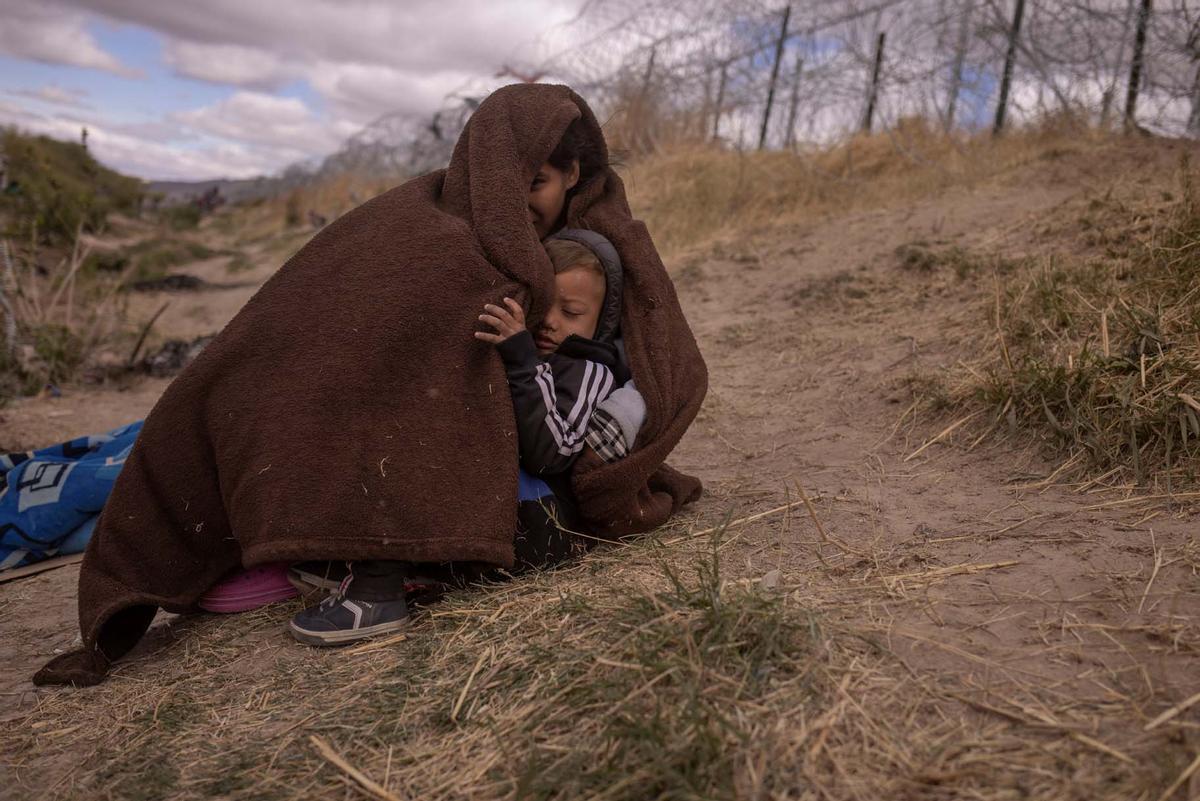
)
(1048, 598)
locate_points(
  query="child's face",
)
(547, 194)
(578, 299)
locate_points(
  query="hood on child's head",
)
(614, 278)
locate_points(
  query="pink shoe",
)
(249, 589)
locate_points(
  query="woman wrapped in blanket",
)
(346, 413)
(572, 391)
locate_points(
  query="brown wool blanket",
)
(347, 412)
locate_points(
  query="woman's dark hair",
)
(576, 144)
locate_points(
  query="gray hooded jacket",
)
(554, 397)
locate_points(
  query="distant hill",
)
(53, 187)
(233, 190)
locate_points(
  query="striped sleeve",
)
(554, 400)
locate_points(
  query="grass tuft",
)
(693, 195)
(1099, 354)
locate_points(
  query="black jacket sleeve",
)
(553, 401)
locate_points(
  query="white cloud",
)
(54, 94)
(229, 64)
(138, 156)
(21, 117)
(364, 91)
(160, 130)
(46, 32)
(247, 134)
(418, 34)
(284, 124)
(365, 57)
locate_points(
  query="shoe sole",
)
(328, 638)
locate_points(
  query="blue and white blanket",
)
(50, 498)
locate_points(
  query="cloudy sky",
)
(235, 88)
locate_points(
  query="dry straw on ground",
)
(642, 672)
(1097, 349)
(691, 195)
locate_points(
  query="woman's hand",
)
(507, 322)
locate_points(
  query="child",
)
(570, 388)
(560, 373)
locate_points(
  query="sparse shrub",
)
(715, 647)
(691, 273)
(60, 351)
(839, 286)
(57, 187)
(182, 217)
(12, 383)
(1101, 355)
(291, 210)
(155, 256)
(922, 257)
(738, 334)
(917, 256)
(240, 263)
(928, 389)
(106, 261)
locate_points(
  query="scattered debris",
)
(173, 355)
(175, 282)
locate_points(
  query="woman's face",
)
(547, 194)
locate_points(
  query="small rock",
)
(770, 580)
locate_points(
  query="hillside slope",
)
(946, 620)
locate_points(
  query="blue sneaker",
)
(339, 620)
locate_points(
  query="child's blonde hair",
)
(566, 254)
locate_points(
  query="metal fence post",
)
(720, 98)
(794, 103)
(762, 134)
(1009, 58)
(869, 117)
(1135, 68)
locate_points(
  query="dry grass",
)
(276, 228)
(692, 195)
(56, 320)
(65, 310)
(329, 198)
(642, 672)
(1097, 350)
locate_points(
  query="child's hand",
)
(507, 322)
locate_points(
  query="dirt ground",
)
(1056, 610)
